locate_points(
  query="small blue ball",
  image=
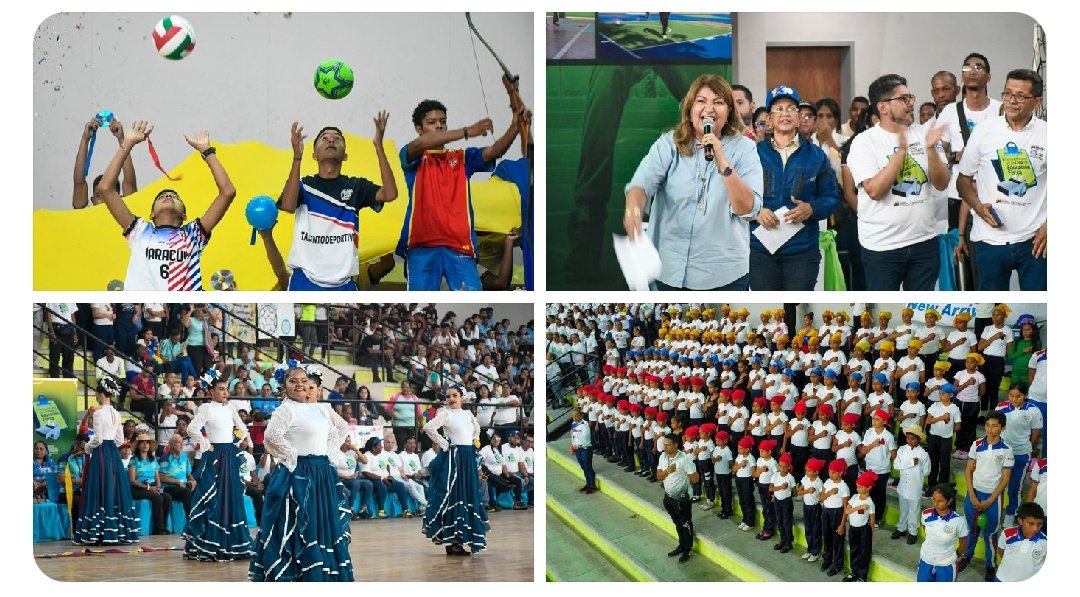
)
(261, 212)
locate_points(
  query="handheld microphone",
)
(707, 125)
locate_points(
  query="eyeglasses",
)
(1009, 97)
(967, 68)
(782, 109)
(761, 125)
(908, 99)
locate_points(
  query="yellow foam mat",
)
(84, 250)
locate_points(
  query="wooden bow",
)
(510, 82)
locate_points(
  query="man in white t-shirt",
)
(894, 165)
(1003, 180)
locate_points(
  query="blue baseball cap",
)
(776, 364)
(948, 388)
(816, 371)
(663, 352)
(756, 360)
(778, 92)
(714, 358)
(880, 377)
(698, 357)
(857, 375)
(789, 372)
(729, 362)
(830, 373)
(912, 385)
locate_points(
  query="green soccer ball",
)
(333, 79)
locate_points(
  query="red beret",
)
(623, 404)
(669, 380)
(739, 394)
(850, 419)
(633, 376)
(636, 407)
(746, 442)
(621, 370)
(767, 445)
(867, 479)
(661, 417)
(608, 368)
(800, 406)
(692, 431)
(838, 466)
(814, 464)
(709, 428)
(650, 410)
(697, 381)
(760, 401)
(722, 435)
(684, 381)
(727, 392)
(880, 414)
(786, 457)
(777, 399)
(825, 409)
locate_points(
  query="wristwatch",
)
(726, 171)
(208, 151)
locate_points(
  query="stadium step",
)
(631, 543)
(571, 559)
(892, 560)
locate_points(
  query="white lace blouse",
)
(218, 420)
(460, 426)
(106, 426)
(303, 429)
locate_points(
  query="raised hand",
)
(201, 142)
(380, 126)
(138, 132)
(297, 140)
(90, 128)
(117, 129)
(481, 128)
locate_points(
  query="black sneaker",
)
(778, 546)
(991, 574)
(897, 534)
(850, 578)
(833, 571)
(911, 539)
(684, 557)
(674, 552)
(785, 549)
(825, 566)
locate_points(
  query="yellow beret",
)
(1003, 308)
(827, 313)
(862, 344)
(781, 338)
(915, 342)
(885, 314)
(766, 313)
(907, 311)
(887, 345)
(978, 358)
(962, 316)
(744, 311)
(836, 337)
(841, 314)
(943, 365)
(933, 312)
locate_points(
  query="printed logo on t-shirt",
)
(1038, 554)
(910, 179)
(1015, 174)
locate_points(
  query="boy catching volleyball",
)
(166, 254)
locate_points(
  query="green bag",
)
(834, 273)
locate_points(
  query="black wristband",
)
(465, 130)
(208, 152)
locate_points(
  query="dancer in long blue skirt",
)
(304, 534)
(217, 527)
(455, 515)
(107, 515)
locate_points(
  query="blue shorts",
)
(928, 573)
(300, 281)
(427, 266)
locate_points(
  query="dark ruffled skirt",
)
(455, 512)
(305, 526)
(108, 515)
(217, 527)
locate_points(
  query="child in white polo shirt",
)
(943, 527)
(721, 462)
(743, 470)
(810, 490)
(781, 486)
(1023, 427)
(988, 471)
(878, 449)
(943, 420)
(1022, 549)
(834, 498)
(860, 516)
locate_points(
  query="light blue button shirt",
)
(702, 244)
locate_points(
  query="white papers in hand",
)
(638, 259)
(775, 238)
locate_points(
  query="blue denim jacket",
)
(808, 176)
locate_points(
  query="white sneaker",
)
(743, 527)
(707, 505)
(813, 558)
(805, 555)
